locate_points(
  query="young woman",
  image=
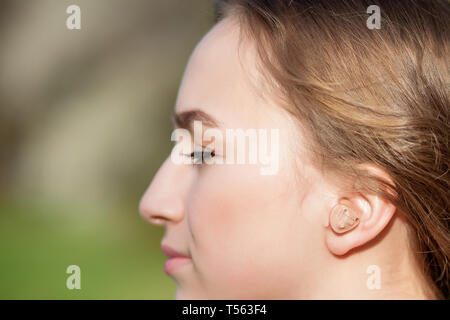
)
(358, 208)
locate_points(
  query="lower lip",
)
(175, 262)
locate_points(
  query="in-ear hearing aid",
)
(343, 218)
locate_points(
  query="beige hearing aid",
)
(343, 218)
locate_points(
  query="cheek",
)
(239, 220)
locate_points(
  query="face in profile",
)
(244, 233)
(296, 233)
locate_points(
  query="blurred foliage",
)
(84, 126)
(118, 254)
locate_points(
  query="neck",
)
(384, 269)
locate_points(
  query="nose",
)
(162, 202)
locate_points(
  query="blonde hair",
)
(368, 95)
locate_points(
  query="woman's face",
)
(246, 235)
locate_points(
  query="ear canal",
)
(343, 218)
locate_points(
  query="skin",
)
(253, 236)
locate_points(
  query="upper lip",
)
(172, 253)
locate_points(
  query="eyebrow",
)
(186, 119)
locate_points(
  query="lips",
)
(176, 259)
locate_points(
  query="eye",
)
(198, 157)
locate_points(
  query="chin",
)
(182, 294)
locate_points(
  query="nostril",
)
(157, 220)
(150, 215)
(156, 211)
(162, 202)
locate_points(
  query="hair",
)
(368, 95)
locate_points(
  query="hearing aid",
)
(343, 218)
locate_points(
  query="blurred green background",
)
(84, 126)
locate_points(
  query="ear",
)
(374, 214)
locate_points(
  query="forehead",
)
(220, 76)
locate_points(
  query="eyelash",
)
(199, 156)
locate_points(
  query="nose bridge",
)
(162, 202)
